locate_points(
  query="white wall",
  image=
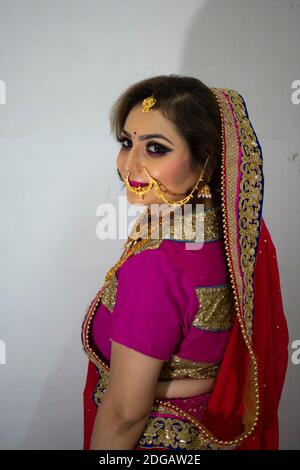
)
(63, 63)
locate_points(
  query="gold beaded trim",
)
(179, 368)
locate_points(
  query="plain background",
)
(64, 63)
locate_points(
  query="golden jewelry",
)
(141, 191)
(148, 103)
(204, 191)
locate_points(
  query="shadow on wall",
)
(223, 41)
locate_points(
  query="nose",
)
(133, 162)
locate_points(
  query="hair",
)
(192, 108)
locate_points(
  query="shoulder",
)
(154, 275)
(151, 262)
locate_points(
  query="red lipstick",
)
(137, 183)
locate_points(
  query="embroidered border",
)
(250, 198)
(179, 368)
(216, 308)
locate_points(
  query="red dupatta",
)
(242, 411)
(243, 408)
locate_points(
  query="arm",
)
(128, 399)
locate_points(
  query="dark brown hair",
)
(193, 109)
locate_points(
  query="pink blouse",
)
(172, 304)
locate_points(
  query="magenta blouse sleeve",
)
(149, 307)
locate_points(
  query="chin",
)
(134, 199)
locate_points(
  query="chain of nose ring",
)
(142, 190)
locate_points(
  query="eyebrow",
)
(148, 136)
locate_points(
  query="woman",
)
(187, 339)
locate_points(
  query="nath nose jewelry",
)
(140, 190)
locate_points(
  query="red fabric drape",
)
(89, 406)
(270, 345)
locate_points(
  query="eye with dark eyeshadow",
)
(160, 149)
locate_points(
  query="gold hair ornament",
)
(148, 103)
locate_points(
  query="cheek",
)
(119, 161)
(174, 173)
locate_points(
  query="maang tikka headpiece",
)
(147, 104)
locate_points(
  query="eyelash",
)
(163, 151)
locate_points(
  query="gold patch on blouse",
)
(197, 226)
(210, 220)
(180, 368)
(108, 298)
(216, 308)
(182, 224)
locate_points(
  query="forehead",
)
(150, 122)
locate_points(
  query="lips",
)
(137, 183)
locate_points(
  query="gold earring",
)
(204, 191)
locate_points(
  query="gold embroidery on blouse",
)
(109, 293)
(216, 308)
(178, 368)
(212, 223)
(208, 222)
(181, 225)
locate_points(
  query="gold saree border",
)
(242, 232)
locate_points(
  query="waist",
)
(184, 388)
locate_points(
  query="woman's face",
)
(166, 158)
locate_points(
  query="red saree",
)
(242, 411)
